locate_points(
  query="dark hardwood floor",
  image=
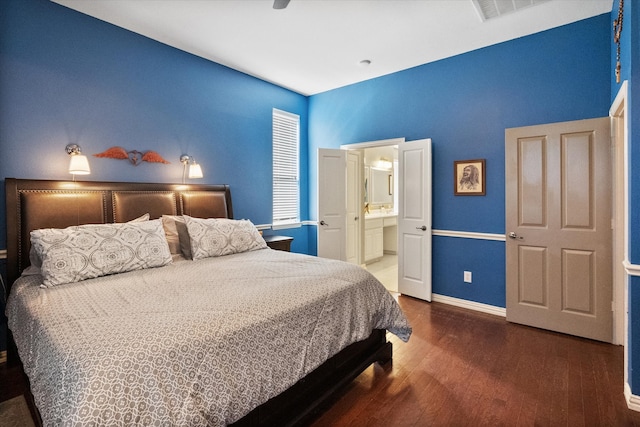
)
(465, 368)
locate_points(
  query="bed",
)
(241, 334)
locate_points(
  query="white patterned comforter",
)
(193, 343)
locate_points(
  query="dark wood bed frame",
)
(34, 204)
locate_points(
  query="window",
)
(286, 184)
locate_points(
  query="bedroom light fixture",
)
(78, 163)
(382, 163)
(195, 171)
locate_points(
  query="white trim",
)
(620, 303)
(452, 233)
(631, 269)
(285, 226)
(469, 235)
(370, 144)
(470, 305)
(3, 254)
(633, 401)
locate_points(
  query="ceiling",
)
(317, 45)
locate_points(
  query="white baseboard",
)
(471, 305)
(633, 401)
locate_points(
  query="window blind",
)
(286, 187)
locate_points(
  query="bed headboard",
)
(33, 204)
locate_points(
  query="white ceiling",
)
(316, 45)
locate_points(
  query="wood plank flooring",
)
(462, 368)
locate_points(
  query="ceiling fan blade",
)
(280, 4)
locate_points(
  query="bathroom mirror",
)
(381, 187)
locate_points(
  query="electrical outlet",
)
(467, 277)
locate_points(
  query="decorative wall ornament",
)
(134, 156)
(617, 31)
(469, 177)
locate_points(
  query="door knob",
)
(323, 223)
(423, 228)
(356, 218)
(513, 235)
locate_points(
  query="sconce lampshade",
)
(195, 171)
(79, 165)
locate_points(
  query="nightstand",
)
(280, 243)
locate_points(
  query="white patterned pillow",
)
(218, 236)
(87, 251)
(35, 261)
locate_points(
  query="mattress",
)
(192, 343)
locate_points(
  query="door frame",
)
(619, 113)
(359, 215)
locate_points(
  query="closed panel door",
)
(558, 219)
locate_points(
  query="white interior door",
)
(414, 219)
(354, 206)
(332, 203)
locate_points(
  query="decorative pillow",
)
(141, 218)
(217, 236)
(177, 235)
(87, 251)
(35, 261)
(171, 232)
(185, 240)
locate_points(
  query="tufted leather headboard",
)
(34, 204)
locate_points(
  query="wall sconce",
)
(78, 163)
(195, 171)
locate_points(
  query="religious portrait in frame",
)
(469, 177)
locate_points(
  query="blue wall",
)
(69, 78)
(464, 104)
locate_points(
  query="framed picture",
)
(469, 177)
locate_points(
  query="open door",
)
(355, 206)
(558, 219)
(414, 219)
(332, 203)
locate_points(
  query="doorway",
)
(413, 217)
(380, 242)
(378, 201)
